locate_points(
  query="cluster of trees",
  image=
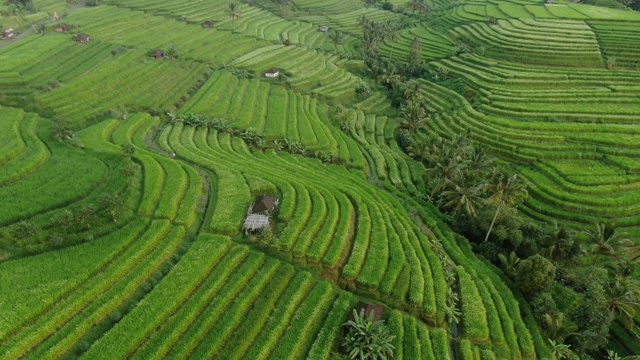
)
(577, 282)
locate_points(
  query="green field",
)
(125, 180)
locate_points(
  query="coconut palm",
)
(624, 300)
(234, 12)
(561, 244)
(505, 190)
(413, 115)
(558, 328)
(605, 240)
(463, 196)
(392, 34)
(336, 37)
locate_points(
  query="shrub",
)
(387, 6)
(367, 339)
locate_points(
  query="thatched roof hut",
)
(264, 204)
(157, 53)
(207, 24)
(61, 28)
(81, 38)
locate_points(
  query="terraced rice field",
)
(173, 275)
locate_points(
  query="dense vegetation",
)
(471, 166)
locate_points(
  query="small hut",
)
(7, 33)
(255, 222)
(368, 308)
(81, 38)
(324, 28)
(157, 53)
(207, 24)
(272, 73)
(263, 205)
(61, 28)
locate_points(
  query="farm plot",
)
(539, 115)
(566, 43)
(306, 70)
(223, 296)
(349, 214)
(620, 42)
(434, 45)
(269, 109)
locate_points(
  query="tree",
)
(559, 350)
(112, 204)
(362, 90)
(392, 33)
(127, 149)
(464, 196)
(25, 230)
(234, 12)
(505, 190)
(84, 215)
(415, 52)
(336, 37)
(561, 245)
(172, 52)
(369, 3)
(413, 115)
(535, 275)
(605, 240)
(624, 299)
(558, 327)
(367, 339)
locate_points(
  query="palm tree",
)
(505, 190)
(336, 37)
(392, 33)
(389, 78)
(606, 241)
(559, 243)
(559, 350)
(464, 196)
(413, 115)
(234, 12)
(558, 328)
(445, 169)
(624, 300)
(413, 91)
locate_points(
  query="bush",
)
(387, 6)
(367, 339)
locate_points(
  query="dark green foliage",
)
(368, 339)
(535, 275)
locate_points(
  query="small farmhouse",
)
(157, 53)
(207, 24)
(323, 28)
(81, 38)
(7, 33)
(61, 28)
(263, 205)
(272, 73)
(258, 213)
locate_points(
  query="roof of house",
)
(324, 28)
(368, 308)
(81, 37)
(157, 53)
(263, 204)
(273, 71)
(255, 222)
(62, 26)
(207, 24)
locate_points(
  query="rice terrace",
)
(320, 179)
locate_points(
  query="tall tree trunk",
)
(392, 48)
(596, 259)
(492, 222)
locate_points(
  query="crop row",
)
(234, 303)
(315, 214)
